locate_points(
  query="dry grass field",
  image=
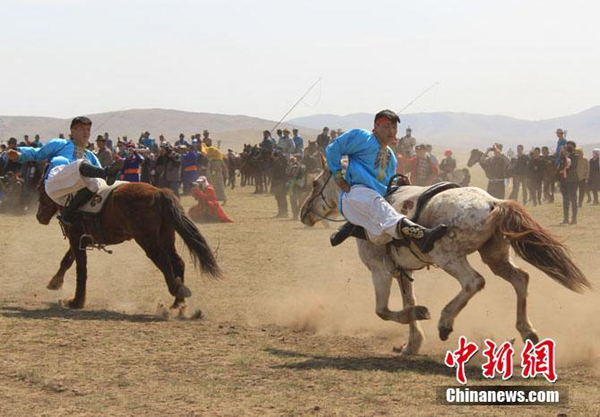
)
(290, 330)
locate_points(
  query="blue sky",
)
(526, 59)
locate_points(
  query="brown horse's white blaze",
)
(477, 222)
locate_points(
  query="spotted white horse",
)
(477, 222)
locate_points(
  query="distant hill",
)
(456, 130)
(473, 130)
(232, 130)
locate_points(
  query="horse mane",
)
(40, 186)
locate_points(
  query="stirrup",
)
(64, 222)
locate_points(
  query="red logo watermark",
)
(536, 359)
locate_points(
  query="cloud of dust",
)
(337, 297)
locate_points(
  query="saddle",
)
(96, 204)
(89, 217)
(413, 200)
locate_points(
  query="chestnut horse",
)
(138, 211)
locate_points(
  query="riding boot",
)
(79, 199)
(347, 230)
(421, 236)
(109, 174)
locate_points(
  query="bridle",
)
(320, 194)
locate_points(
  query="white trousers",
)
(64, 180)
(364, 207)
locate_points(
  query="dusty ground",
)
(291, 330)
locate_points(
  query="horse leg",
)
(58, 279)
(81, 267)
(161, 257)
(382, 281)
(178, 268)
(471, 282)
(416, 336)
(495, 253)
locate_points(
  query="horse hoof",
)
(421, 313)
(533, 337)
(72, 304)
(402, 350)
(183, 292)
(445, 332)
(399, 349)
(54, 284)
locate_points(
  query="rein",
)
(326, 203)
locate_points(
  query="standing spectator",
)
(206, 139)
(121, 150)
(431, 155)
(519, 173)
(109, 142)
(286, 144)
(37, 143)
(447, 165)
(149, 168)
(568, 181)
(298, 144)
(535, 175)
(104, 155)
(217, 172)
(189, 161)
(583, 174)
(181, 141)
(268, 143)
(594, 181)
(147, 141)
(408, 143)
(168, 168)
(6, 165)
(131, 167)
(495, 169)
(279, 182)
(323, 139)
(561, 143)
(550, 177)
(202, 164)
(423, 170)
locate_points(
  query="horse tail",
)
(200, 252)
(538, 246)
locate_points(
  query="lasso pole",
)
(295, 104)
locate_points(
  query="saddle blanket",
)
(95, 205)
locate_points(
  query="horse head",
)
(46, 207)
(322, 201)
(476, 155)
(466, 180)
